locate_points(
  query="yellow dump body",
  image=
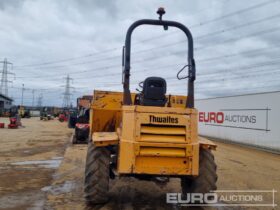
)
(151, 140)
(106, 109)
(105, 115)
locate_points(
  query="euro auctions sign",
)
(236, 118)
(251, 119)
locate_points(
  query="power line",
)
(139, 61)
(182, 41)
(260, 50)
(240, 26)
(238, 12)
(256, 6)
(179, 42)
(211, 73)
(240, 68)
(67, 59)
(266, 84)
(222, 42)
(156, 66)
(221, 79)
(213, 58)
(242, 37)
(237, 69)
(196, 25)
(255, 51)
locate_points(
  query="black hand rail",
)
(127, 51)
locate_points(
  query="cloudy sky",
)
(236, 45)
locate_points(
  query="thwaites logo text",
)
(221, 117)
(167, 119)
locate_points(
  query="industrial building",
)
(5, 102)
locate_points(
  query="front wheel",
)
(97, 173)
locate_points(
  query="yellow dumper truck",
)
(147, 135)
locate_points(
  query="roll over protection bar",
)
(127, 52)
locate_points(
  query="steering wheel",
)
(141, 86)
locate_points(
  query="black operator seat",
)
(154, 90)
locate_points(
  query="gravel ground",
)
(41, 169)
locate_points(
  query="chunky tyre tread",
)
(97, 175)
(206, 181)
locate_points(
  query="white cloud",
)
(34, 32)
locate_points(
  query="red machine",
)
(15, 119)
(81, 133)
(2, 125)
(14, 123)
(62, 118)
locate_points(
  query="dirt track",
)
(40, 169)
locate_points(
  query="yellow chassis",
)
(170, 147)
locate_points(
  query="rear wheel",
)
(74, 139)
(97, 175)
(206, 181)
